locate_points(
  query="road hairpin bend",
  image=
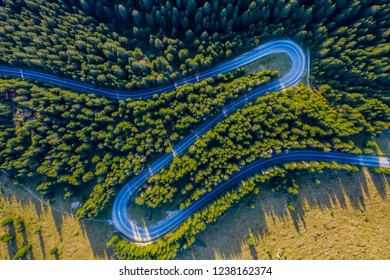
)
(140, 233)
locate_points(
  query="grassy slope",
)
(344, 217)
(279, 62)
(74, 239)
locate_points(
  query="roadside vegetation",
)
(279, 62)
(84, 146)
(295, 119)
(143, 43)
(72, 141)
(338, 215)
(184, 236)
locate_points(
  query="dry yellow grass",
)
(47, 228)
(346, 216)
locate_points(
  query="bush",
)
(20, 224)
(37, 230)
(7, 237)
(293, 189)
(368, 151)
(291, 208)
(371, 144)
(53, 251)
(7, 221)
(382, 171)
(22, 252)
(250, 241)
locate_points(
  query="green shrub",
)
(53, 251)
(7, 221)
(291, 208)
(371, 144)
(20, 224)
(22, 252)
(250, 241)
(37, 230)
(6, 237)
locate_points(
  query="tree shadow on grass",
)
(352, 186)
(98, 233)
(39, 207)
(58, 221)
(23, 196)
(31, 254)
(22, 230)
(297, 217)
(351, 190)
(253, 252)
(42, 244)
(346, 189)
(382, 185)
(12, 246)
(225, 229)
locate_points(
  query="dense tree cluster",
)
(297, 119)
(59, 38)
(185, 235)
(137, 44)
(73, 140)
(352, 53)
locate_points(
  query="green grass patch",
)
(280, 62)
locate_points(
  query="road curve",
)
(141, 234)
(120, 216)
(288, 46)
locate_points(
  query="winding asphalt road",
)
(120, 216)
(287, 46)
(142, 234)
